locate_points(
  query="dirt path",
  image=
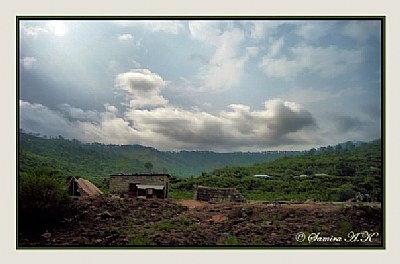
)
(191, 203)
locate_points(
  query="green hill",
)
(96, 161)
(329, 174)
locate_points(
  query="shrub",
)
(233, 241)
(42, 201)
(342, 193)
(139, 240)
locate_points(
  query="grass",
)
(232, 241)
(165, 225)
(345, 228)
(139, 240)
(181, 195)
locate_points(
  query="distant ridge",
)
(100, 160)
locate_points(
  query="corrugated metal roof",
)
(147, 186)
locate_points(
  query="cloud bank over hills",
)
(202, 85)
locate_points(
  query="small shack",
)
(211, 194)
(82, 187)
(151, 185)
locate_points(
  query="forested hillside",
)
(329, 174)
(74, 158)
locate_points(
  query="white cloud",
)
(143, 87)
(104, 127)
(205, 30)
(74, 113)
(110, 108)
(228, 45)
(125, 37)
(252, 51)
(327, 61)
(280, 67)
(57, 27)
(262, 29)
(222, 76)
(29, 31)
(28, 62)
(168, 26)
(40, 119)
(139, 80)
(276, 47)
(225, 67)
(171, 128)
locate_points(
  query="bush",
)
(343, 193)
(42, 201)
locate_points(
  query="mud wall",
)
(119, 184)
(210, 194)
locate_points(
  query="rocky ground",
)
(106, 221)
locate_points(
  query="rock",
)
(46, 235)
(154, 205)
(238, 221)
(106, 214)
(123, 241)
(360, 213)
(98, 241)
(219, 218)
(319, 215)
(237, 213)
(248, 211)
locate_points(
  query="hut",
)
(150, 185)
(82, 187)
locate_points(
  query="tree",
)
(312, 151)
(349, 145)
(43, 200)
(345, 168)
(148, 166)
(339, 147)
(329, 149)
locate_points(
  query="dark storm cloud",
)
(168, 127)
(74, 113)
(237, 127)
(142, 86)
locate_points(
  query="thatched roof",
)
(86, 188)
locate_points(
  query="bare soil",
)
(106, 221)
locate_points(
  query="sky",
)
(219, 85)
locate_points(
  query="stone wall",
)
(210, 194)
(119, 184)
